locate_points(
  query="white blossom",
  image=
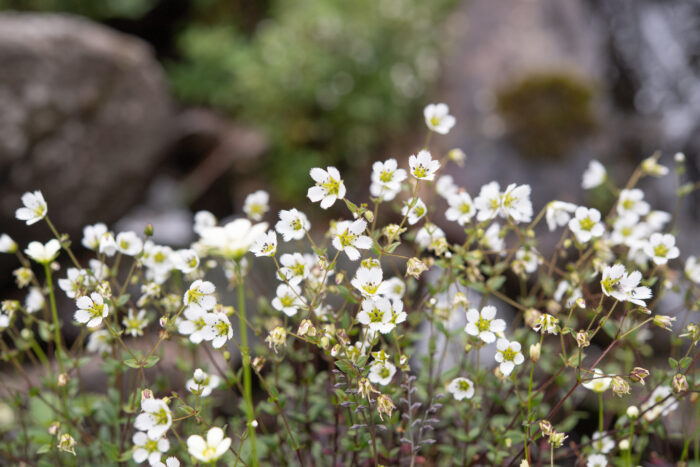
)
(7, 245)
(558, 214)
(202, 383)
(91, 310)
(210, 450)
(265, 244)
(461, 208)
(200, 295)
(661, 248)
(329, 186)
(422, 166)
(256, 205)
(414, 209)
(438, 118)
(43, 253)
(148, 449)
(288, 300)
(386, 179)
(34, 209)
(155, 418)
(461, 388)
(369, 281)
(293, 225)
(349, 238)
(594, 175)
(508, 355)
(217, 329)
(381, 372)
(376, 313)
(586, 224)
(484, 325)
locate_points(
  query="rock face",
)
(85, 116)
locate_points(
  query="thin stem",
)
(245, 356)
(54, 316)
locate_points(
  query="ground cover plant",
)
(379, 343)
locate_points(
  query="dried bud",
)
(104, 289)
(62, 379)
(258, 363)
(531, 317)
(680, 383)
(545, 427)
(582, 339)
(55, 428)
(306, 328)
(535, 350)
(365, 388)
(146, 394)
(342, 337)
(325, 342)
(556, 439)
(415, 267)
(276, 338)
(23, 276)
(460, 300)
(66, 443)
(384, 406)
(620, 386)
(638, 374)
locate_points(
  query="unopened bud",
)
(306, 328)
(415, 267)
(535, 352)
(680, 383)
(638, 374)
(148, 231)
(55, 428)
(369, 215)
(531, 317)
(664, 322)
(457, 156)
(545, 427)
(62, 379)
(146, 394)
(582, 339)
(633, 412)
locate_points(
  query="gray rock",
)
(85, 117)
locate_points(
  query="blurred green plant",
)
(325, 80)
(547, 113)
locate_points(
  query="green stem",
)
(54, 316)
(629, 451)
(247, 380)
(600, 412)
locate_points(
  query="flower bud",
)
(342, 337)
(258, 363)
(680, 383)
(457, 156)
(276, 338)
(7, 245)
(325, 342)
(148, 231)
(535, 352)
(679, 157)
(545, 427)
(55, 428)
(651, 166)
(531, 317)
(638, 374)
(369, 215)
(556, 439)
(306, 328)
(146, 394)
(633, 412)
(624, 444)
(62, 379)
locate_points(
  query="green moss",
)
(546, 114)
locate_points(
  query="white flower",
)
(483, 324)
(461, 208)
(661, 248)
(508, 355)
(202, 383)
(185, 260)
(91, 310)
(288, 300)
(376, 314)
(128, 243)
(602, 442)
(7, 245)
(594, 175)
(422, 166)
(233, 240)
(193, 324)
(349, 238)
(292, 225)
(157, 259)
(210, 450)
(656, 220)
(34, 301)
(461, 388)
(492, 239)
(397, 314)
(4, 321)
(34, 209)
(75, 281)
(381, 372)
(632, 202)
(558, 214)
(265, 245)
(100, 341)
(599, 382)
(217, 329)
(329, 186)
(428, 235)
(92, 235)
(203, 220)
(369, 281)
(108, 245)
(394, 288)
(386, 179)
(200, 295)
(41, 253)
(416, 212)
(546, 323)
(256, 205)
(134, 323)
(169, 462)
(586, 224)
(627, 230)
(529, 258)
(654, 408)
(155, 418)
(692, 269)
(295, 267)
(445, 186)
(515, 203)
(438, 118)
(488, 203)
(596, 460)
(148, 449)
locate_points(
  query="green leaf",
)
(346, 294)
(132, 363)
(150, 361)
(673, 362)
(344, 367)
(123, 300)
(495, 283)
(44, 449)
(685, 362)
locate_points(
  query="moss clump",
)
(547, 113)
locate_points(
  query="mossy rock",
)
(546, 114)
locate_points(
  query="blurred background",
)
(138, 111)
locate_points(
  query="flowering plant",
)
(382, 343)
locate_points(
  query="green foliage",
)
(547, 113)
